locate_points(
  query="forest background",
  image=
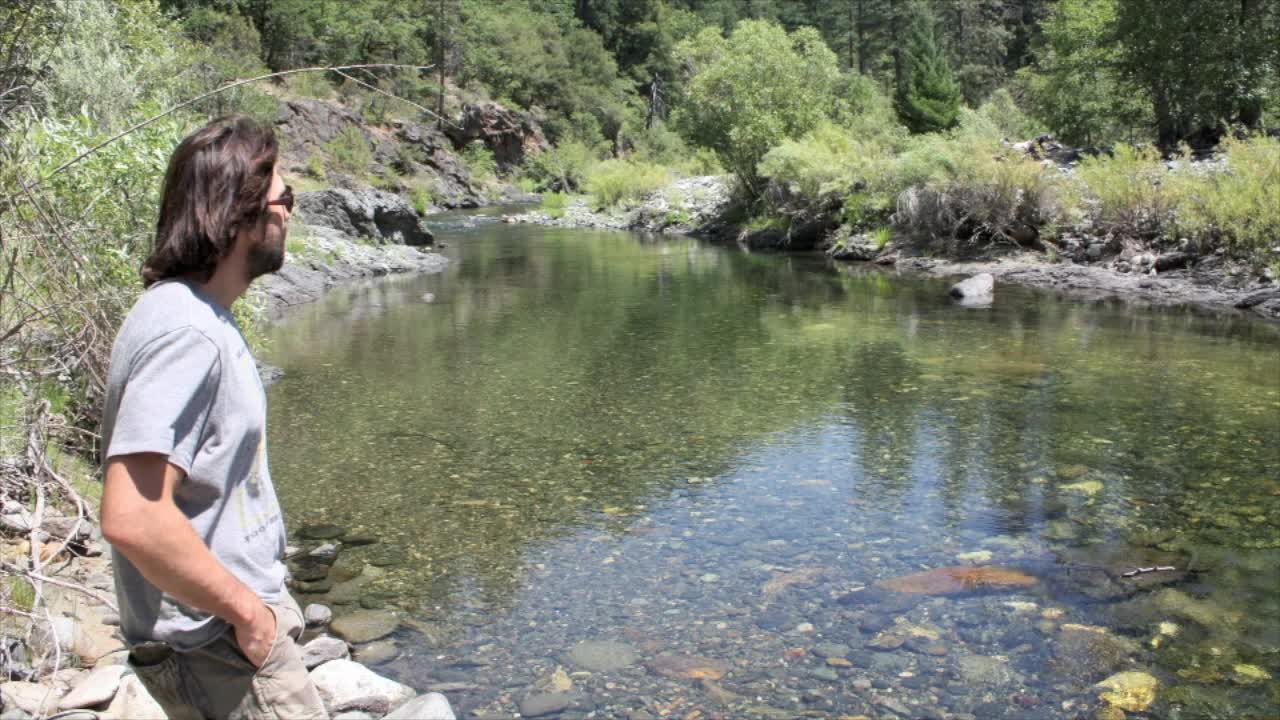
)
(902, 115)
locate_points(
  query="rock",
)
(317, 615)
(977, 557)
(602, 655)
(364, 213)
(1130, 691)
(34, 698)
(1084, 653)
(343, 682)
(957, 580)
(326, 553)
(355, 715)
(1086, 487)
(508, 134)
(980, 670)
(1248, 674)
(97, 688)
(321, 531)
(546, 704)
(976, 289)
(691, 667)
(133, 702)
(322, 650)
(308, 570)
(361, 540)
(1172, 261)
(377, 653)
(363, 626)
(432, 706)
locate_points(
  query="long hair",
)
(216, 184)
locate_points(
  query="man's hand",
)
(256, 637)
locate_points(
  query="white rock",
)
(342, 681)
(133, 702)
(99, 687)
(317, 614)
(327, 551)
(324, 649)
(976, 289)
(432, 706)
(32, 698)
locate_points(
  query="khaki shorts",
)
(217, 681)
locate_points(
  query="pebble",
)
(364, 626)
(322, 650)
(377, 653)
(603, 655)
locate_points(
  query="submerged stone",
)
(957, 580)
(603, 655)
(1131, 691)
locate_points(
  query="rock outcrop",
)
(510, 135)
(366, 213)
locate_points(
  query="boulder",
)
(510, 135)
(342, 682)
(429, 147)
(432, 706)
(977, 289)
(364, 213)
(364, 626)
(317, 615)
(33, 698)
(322, 650)
(99, 687)
(132, 701)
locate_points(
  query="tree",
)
(1075, 85)
(750, 91)
(928, 98)
(1204, 64)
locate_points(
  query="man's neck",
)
(227, 283)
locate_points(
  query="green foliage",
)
(480, 162)
(350, 151)
(1002, 112)
(423, 199)
(554, 204)
(1236, 208)
(309, 85)
(928, 99)
(1122, 193)
(881, 237)
(114, 57)
(226, 46)
(315, 167)
(1075, 87)
(613, 181)
(563, 168)
(19, 594)
(753, 90)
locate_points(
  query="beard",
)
(266, 255)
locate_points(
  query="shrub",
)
(554, 204)
(423, 199)
(479, 161)
(1121, 193)
(350, 151)
(562, 169)
(881, 236)
(309, 84)
(1237, 207)
(613, 181)
(315, 167)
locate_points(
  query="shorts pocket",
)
(163, 681)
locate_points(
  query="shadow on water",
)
(696, 451)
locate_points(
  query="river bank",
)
(703, 207)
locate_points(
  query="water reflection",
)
(579, 420)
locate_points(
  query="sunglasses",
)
(285, 199)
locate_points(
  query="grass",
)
(613, 181)
(881, 236)
(554, 204)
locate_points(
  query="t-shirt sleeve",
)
(168, 398)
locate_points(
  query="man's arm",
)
(140, 519)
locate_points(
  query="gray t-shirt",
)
(184, 384)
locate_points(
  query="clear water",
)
(702, 453)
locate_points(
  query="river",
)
(647, 477)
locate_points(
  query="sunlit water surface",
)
(708, 458)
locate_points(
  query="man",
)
(188, 505)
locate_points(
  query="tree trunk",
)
(862, 37)
(895, 29)
(441, 41)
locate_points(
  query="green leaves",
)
(751, 91)
(928, 100)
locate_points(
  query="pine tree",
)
(928, 98)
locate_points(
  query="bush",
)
(350, 151)
(554, 204)
(562, 169)
(423, 199)
(613, 181)
(1237, 207)
(480, 162)
(1121, 193)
